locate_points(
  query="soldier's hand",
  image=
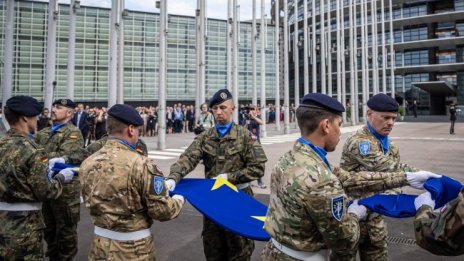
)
(171, 184)
(51, 162)
(358, 210)
(180, 198)
(223, 175)
(68, 174)
(417, 179)
(424, 199)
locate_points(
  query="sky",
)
(215, 8)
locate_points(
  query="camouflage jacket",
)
(238, 154)
(302, 213)
(442, 233)
(140, 147)
(372, 159)
(23, 178)
(123, 190)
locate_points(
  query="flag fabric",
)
(443, 190)
(227, 206)
(60, 166)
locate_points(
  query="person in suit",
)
(80, 120)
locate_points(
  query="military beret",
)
(322, 101)
(24, 105)
(126, 114)
(383, 103)
(220, 97)
(65, 102)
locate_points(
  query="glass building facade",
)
(141, 54)
(428, 48)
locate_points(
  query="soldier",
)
(230, 151)
(140, 146)
(124, 191)
(61, 215)
(442, 233)
(370, 149)
(24, 183)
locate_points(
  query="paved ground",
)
(424, 145)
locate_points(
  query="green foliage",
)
(401, 111)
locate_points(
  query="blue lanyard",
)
(132, 147)
(54, 128)
(319, 151)
(383, 139)
(223, 129)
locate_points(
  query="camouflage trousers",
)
(373, 239)
(28, 247)
(107, 249)
(271, 253)
(222, 245)
(61, 229)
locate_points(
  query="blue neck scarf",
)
(319, 151)
(383, 139)
(125, 142)
(223, 129)
(54, 128)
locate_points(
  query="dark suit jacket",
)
(83, 122)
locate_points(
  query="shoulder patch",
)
(158, 184)
(337, 205)
(364, 147)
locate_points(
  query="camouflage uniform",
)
(62, 215)
(300, 214)
(373, 239)
(443, 233)
(140, 147)
(124, 200)
(240, 156)
(23, 179)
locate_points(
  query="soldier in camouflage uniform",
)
(24, 183)
(124, 191)
(369, 149)
(442, 233)
(61, 215)
(230, 151)
(140, 146)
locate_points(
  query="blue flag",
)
(61, 166)
(227, 206)
(442, 190)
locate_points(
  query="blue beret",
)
(65, 102)
(220, 97)
(383, 103)
(126, 113)
(322, 101)
(24, 105)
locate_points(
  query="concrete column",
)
(286, 87)
(113, 66)
(253, 54)
(50, 73)
(392, 52)
(277, 64)
(162, 75)
(7, 84)
(323, 47)
(314, 44)
(229, 43)
(236, 33)
(263, 70)
(329, 49)
(305, 49)
(71, 49)
(120, 67)
(296, 67)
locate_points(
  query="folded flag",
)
(61, 166)
(443, 190)
(227, 206)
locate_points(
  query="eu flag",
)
(221, 202)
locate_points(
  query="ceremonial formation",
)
(317, 211)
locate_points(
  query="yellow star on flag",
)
(260, 218)
(220, 182)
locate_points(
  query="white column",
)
(356, 75)
(229, 43)
(343, 57)
(286, 87)
(71, 50)
(277, 65)
(305, 48)
(235, 87)
(339, 68)
(263, 70)
(113, 74)
(329, 49)
(375, 61)
(120, 67)
(384, 55)
(162, 75)
(49, 91)
(254, 99)
(364, 65)
(7, 84)
(392, 52)
(296, 67)
(314, 43)
(353, 70)
(323, 51)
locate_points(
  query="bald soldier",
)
(24, 183)
(232, 152)
(370, 149)
(440, 233)
(308, 213)
(124, 191)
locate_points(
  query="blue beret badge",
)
(158, 184)
(337, 207)
(364, 147)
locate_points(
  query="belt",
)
(320, 255)
(122, 236)
(31, 206)
(243, 185)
